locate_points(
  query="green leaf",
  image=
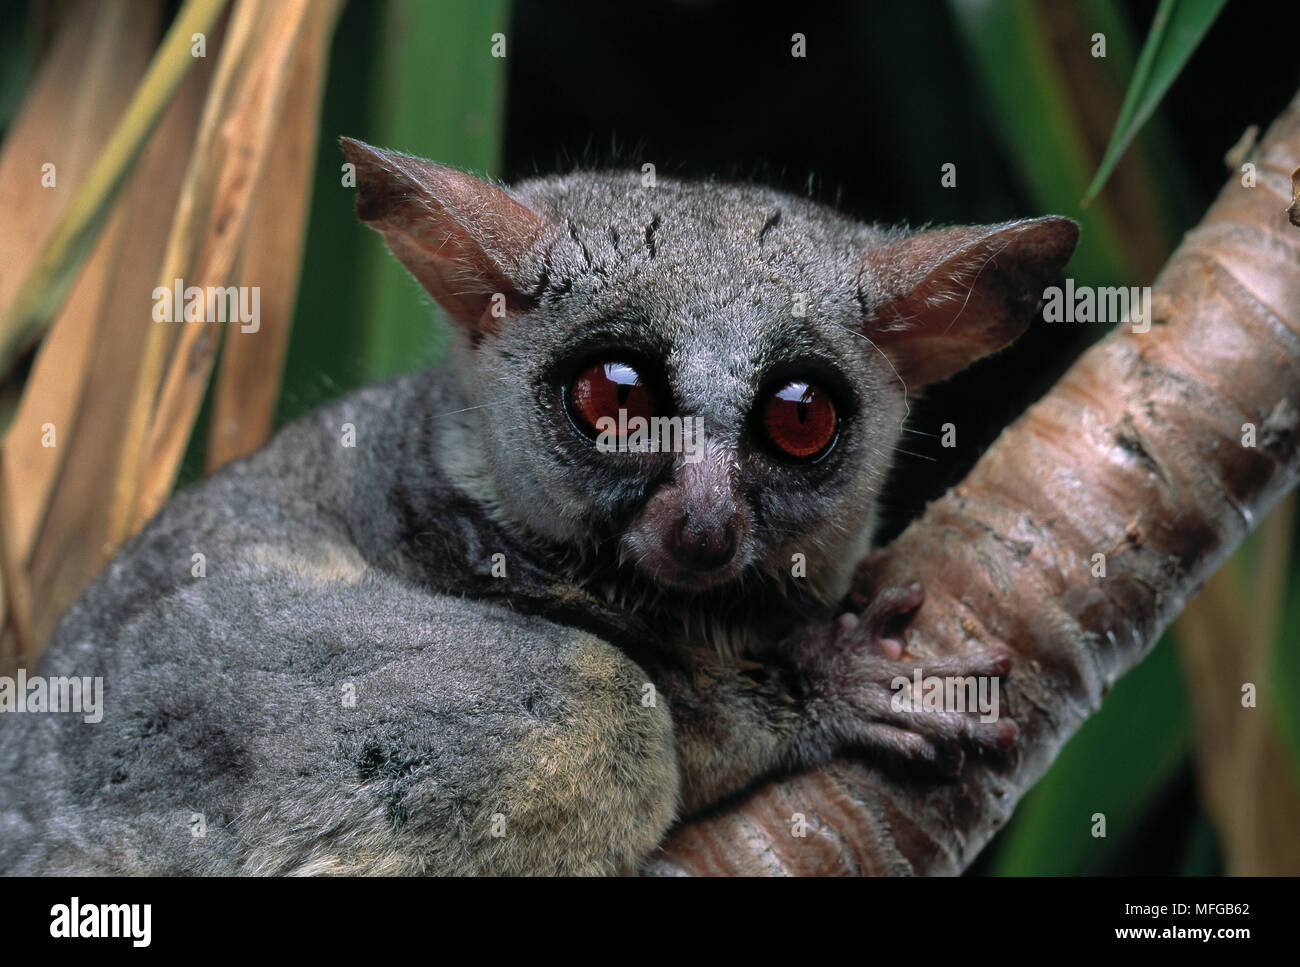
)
(17, 42)
(1113, 765)
(440, 95)
(1028, 92)
(1176, 32)
(1285, 662)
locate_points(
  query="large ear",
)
(942, 299)
(463, 239)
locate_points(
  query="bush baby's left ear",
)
(463, 239)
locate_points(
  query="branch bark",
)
(1142, 453)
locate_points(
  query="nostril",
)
(702, 546)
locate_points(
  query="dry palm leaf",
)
(73, 542)
(84, 85)
(248, 382)
(238, 127)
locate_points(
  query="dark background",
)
(884, 97)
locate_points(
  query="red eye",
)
(602, 390)
(800, 420)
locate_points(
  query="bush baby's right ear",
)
(463, 239)
(941, 299)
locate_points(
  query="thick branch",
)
(1136, 454)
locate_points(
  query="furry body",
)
(458, 646)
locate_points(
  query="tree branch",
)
(1141, 453)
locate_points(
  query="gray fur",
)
(488, 705)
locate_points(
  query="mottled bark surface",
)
(1137, 454)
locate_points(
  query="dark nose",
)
(701, 545)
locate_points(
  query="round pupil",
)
(800, 420)
(604, 389)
